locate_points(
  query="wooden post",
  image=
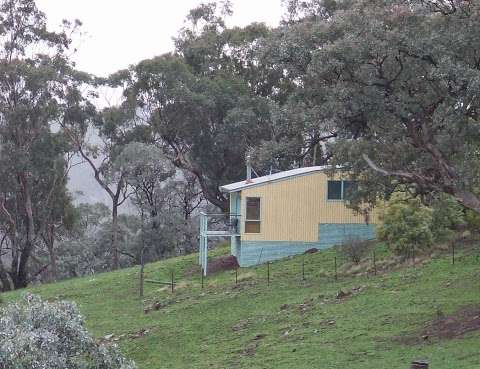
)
(268, 272)
(413, 254)
(419, 364)
(201, 273)
(303, 268)
(142, 256)
(335, 263)
(173, 282)
(374, 263)
(453, 253)
(236, 275)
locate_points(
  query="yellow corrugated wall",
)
(292, 209)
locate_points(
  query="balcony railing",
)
(216, 225)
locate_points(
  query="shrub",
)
(406, 223)
(447, 216)
(472, 220)
(36, 334)
(354, 249)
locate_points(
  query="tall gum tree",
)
(200, 102)
(115, 129)
(399, 82)
(36, 80)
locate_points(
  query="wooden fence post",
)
(236, 275)
(453, 253)
(374, 263)
(303, 268)
(173, 282)
(335, 263)
(268, 272)
(201, 273)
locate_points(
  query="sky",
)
(118, 33)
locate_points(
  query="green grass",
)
(288, 324)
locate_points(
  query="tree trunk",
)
(6, 285)
(142, 269)
(50, 241)
(21, 275)
(467, 199)
(21, 278)
(114, 243)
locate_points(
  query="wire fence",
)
(334, 267)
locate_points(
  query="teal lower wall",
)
(251, 253)
(336, 234)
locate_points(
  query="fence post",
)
(374, 263)
(201, 273)
(453, 253)
(303, 268)
(236, 275)
(268, 272)
(173, 282)
(335, 263)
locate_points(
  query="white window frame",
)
(259, 220)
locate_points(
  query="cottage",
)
(288, 213)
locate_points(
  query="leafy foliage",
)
(38, 86)
(406, 224)
(448, 215)
(36, 334)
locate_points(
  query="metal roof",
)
(238, 186)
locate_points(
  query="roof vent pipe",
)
(249, 169)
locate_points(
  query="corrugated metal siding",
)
(258, 252)
(291, 210)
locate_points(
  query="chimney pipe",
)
(249, 169)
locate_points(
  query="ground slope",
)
(385, 322)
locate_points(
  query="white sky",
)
(119, 33)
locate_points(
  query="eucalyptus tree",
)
(37, 82)
(199, 102)
(146, 171)
(393, 85)
(401, 83)
(99, 137)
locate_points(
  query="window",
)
(341, 190)
(252, 219)
(334, 190)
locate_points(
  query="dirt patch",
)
(456, 325)
(241, 325)
(251, 348)
(214, 266)
(222, 264)
(343, 293)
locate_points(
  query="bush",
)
(354, 249)
(472, 220)
(447, 216)
(36, 334)
(406, 223)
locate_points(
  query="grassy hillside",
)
(289, 323)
